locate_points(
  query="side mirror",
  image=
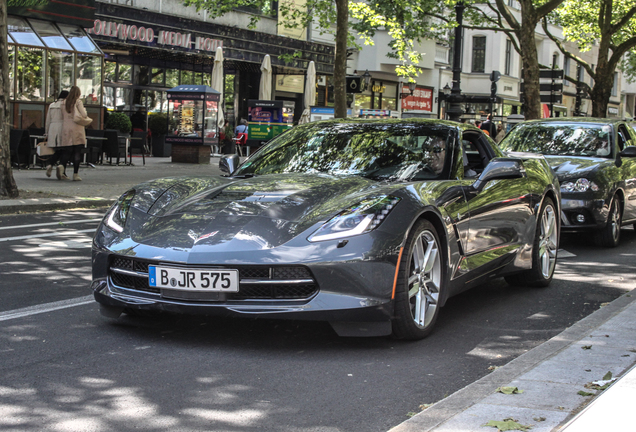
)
(499, 169)
(229, 163)
(629, 151)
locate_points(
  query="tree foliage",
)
(611, 25)
(407, 22)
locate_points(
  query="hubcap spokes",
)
(548, 242)
(424, 280)
(615, 221)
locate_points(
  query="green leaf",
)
(509, 390)
(608, 376)
(584, 393)
(507, 425)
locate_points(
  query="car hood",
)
(242, 214)
(568, 167)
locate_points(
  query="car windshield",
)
(380, 151)
(566, 139)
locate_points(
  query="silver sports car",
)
(369, 225)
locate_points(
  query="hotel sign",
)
(138, 33)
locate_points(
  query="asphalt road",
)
(64, 367)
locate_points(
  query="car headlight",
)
(580, 185)
(357, 219)
(116, 219)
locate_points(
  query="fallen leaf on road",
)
(507, 425)
(539, 419)
(586, 347)
(582, 393)
(424, 406)
(509, 390)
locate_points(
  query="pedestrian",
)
(501, 133)
(489, 126)
(241, 128)
(478, 123)
(53, 132)
(73, 133)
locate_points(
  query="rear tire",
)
(420, 283)
(610, 235)
(544, 250)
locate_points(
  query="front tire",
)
(610, 236)
(420, 283)
(544, 250)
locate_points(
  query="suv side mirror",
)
(499, 169)
(629, 151)
(229, 163)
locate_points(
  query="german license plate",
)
(210, 280)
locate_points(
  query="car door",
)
(627, 137)
(499, 213)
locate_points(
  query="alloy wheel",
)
(425, 278)
(548, 241)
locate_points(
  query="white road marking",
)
(562, 253)
(53, 234)
(61, 224)
(44, 308)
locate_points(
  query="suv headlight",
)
(357, 219)
(116, 218)
(580, 185)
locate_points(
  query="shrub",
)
(158, 124)
(119, 121)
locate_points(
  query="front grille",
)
(256, 282)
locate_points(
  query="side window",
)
(624, 138)
(475, 157)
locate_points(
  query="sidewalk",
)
(100, 186)
(550, 377)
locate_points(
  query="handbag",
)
(82, 121)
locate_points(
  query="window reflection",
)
(11, 70)
(78, 38)
(22, 33)
(172, 78)
(89, 72)
(124, 72)
(60, 73)
(50, 35)
(110, 69)
(30, 74)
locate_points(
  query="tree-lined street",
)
(66, 367)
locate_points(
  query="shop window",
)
(479, 53)
(110, 71)
(207, 79)
(187, 77)
(89, 78)
(79, 39)
(157, 76)
(22, 33)
(124, 72)
(141, 75)
(30, 74)
(51, 36)
(228, 96)
(198, 78)
(172, 78)
(155, 101)
(60, 73)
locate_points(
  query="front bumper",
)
(583, 214)
(344, 286)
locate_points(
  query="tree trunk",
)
(530, 62)
(340, 66)
(601, 92)
(8, 186)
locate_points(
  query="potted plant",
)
(158, 125)
(120, 122)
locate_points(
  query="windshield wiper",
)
(244, 176)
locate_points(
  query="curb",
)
(32, 205)
(465, 398)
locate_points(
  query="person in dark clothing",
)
(489, 127)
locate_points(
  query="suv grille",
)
(255, 282)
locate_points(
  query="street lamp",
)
(446, 90)
(456, 98)
(367, 79)
(412, 85)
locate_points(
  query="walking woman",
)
(54, 122)
(73, 134)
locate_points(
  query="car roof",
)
(410, 121)
(581, 120)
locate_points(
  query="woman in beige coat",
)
(54, 124)
(73, 135)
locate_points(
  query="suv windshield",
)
(566, 139)
(381, 151)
